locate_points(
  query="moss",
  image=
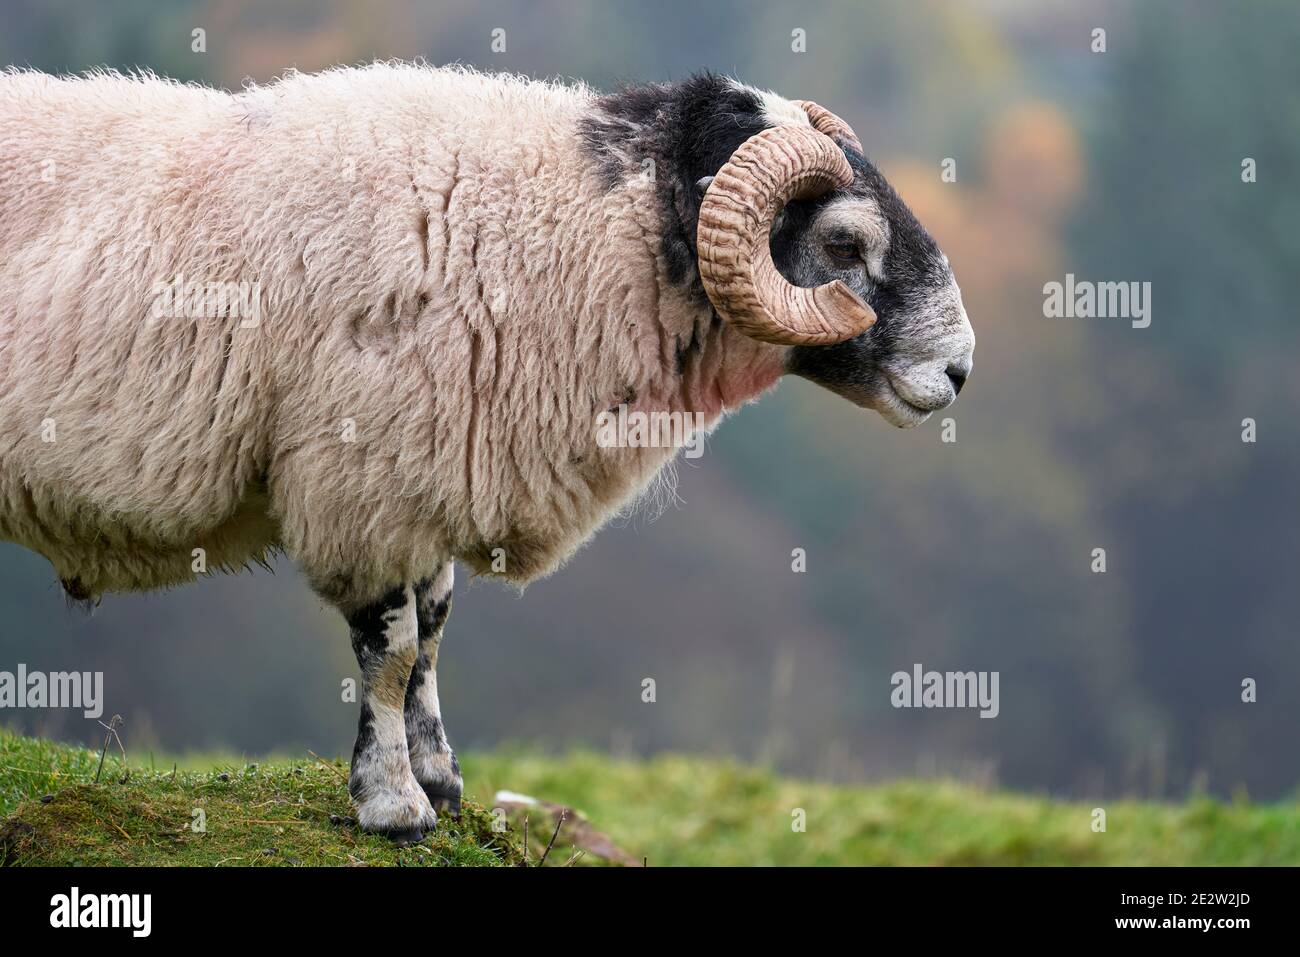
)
(669, 810)
(294, 814)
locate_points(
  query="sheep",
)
(368, 318)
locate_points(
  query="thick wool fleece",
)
(449, 294)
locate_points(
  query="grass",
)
(679, 810)
(669, 810)
(286, 813)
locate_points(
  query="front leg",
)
(387, 797)
(432, 759)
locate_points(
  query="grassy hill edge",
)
(669, 810)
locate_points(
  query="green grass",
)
(283, 813)
(670, 810)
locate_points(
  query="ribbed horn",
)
(824, 121)
(768, 170)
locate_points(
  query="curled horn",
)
(824, 121)
(768, 170)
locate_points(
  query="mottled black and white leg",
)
(387, 796)
(432, 759)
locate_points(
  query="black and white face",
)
(916, 357)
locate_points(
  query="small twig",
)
(9, 767)
(558, 824)
(327, 764)
(112, 734)
(276, 823)
(102, 751)
(525, 840)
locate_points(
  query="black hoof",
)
(406, 837)
(444, 802)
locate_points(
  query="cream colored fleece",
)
(447, 296)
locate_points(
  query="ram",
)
(370, 318)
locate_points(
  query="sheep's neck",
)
(715, 370)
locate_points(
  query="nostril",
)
(958, 378)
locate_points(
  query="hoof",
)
(406, 837)
(397, 812)
(444, 802)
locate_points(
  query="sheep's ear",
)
(680, 247)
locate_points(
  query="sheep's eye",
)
(845, 254)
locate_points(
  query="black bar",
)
(985, 904)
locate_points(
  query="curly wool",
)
(448, 293)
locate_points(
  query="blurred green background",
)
(1073, 435)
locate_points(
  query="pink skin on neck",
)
(748, 369)
(747, 384)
